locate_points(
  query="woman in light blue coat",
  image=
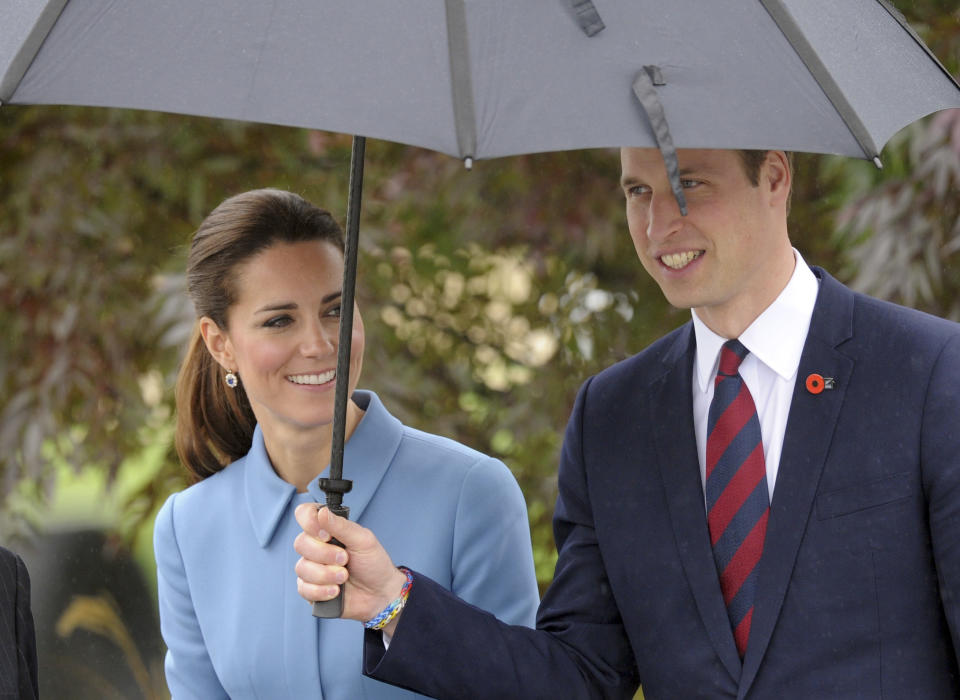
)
(255, 413)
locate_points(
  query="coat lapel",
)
(806, 443)
(367, 454)
(672, 413)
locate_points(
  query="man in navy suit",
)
(842, 582)
(18, 651)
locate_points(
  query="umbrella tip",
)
(876, 161)
(468, 163)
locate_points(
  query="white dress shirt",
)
(775, 341)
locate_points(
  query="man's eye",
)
(687, 184)
(638, 190)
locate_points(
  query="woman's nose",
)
(319, 340)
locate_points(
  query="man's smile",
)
(677, 261)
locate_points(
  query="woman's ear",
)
(218, 343)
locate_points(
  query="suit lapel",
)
(672, 414)
(806, 444)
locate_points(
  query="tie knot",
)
(731, 355)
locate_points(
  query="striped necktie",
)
(738, 503)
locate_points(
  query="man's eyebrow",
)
(628, 180)
(697, 169)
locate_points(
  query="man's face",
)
(730, 256)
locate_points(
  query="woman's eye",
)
(333, 311)
(687, 184)
(278, 322)
(638, 190)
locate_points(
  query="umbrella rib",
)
(460, 82)
(788, 26)
(30, 48)
(896, 14)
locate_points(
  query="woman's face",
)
(283, 334)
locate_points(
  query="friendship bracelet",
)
(392, 610)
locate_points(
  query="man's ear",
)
(218, 343)
(777, 176)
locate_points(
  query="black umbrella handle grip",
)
(332, 608)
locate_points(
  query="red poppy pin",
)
(816, 383)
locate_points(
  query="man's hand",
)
(370, 579)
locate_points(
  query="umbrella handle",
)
(332, 608)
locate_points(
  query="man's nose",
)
(663, 216)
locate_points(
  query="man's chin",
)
(679, 299)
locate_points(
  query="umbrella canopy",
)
(491, 78)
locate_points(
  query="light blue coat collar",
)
(367, 455)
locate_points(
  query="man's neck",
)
(731, 319)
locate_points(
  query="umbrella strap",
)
(644, 87)
(588, 17)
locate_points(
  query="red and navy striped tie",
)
(738, 503)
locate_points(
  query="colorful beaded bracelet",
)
(392, 610)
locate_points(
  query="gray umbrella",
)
(490, 78)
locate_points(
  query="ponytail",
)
(214, 422)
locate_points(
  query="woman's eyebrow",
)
(286, 306)
(291, 305)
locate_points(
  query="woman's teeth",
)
(322, 378)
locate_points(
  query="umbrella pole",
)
(335, 485)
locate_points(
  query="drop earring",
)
(231, 380)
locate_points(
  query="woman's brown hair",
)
(214, 422)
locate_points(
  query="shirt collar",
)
(776, 337)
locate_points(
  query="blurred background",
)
(488, 296)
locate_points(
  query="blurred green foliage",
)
(488, 295)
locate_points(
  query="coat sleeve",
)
(940, 464)
(190, 673)
(492, 562)
(444, 647)
(26, 638)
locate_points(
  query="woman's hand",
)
(362, 566)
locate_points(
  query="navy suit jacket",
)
(858, 585)
(18, 648)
